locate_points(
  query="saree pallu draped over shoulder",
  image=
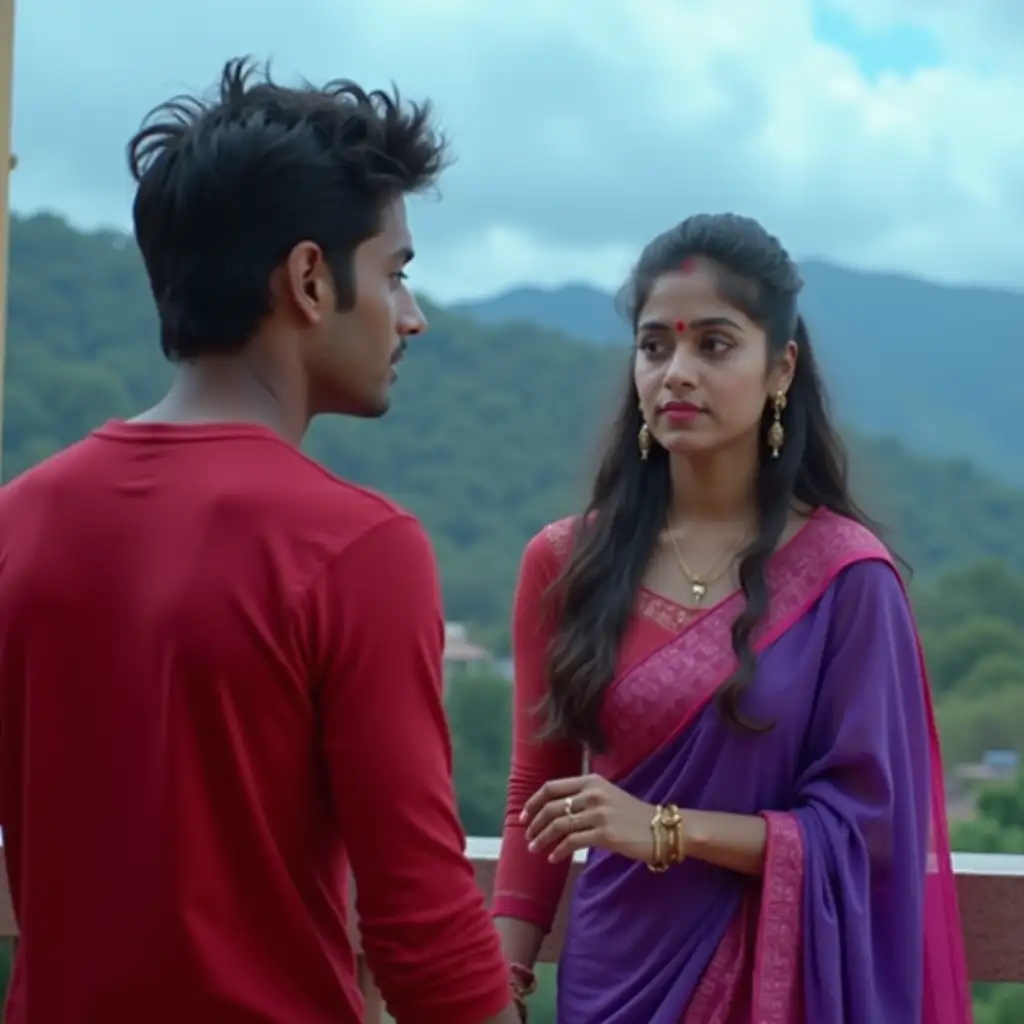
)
(854, 920)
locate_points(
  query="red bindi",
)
(680, 327)
(688, 265)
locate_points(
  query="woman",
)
(730, 653)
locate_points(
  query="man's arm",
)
(426, 934)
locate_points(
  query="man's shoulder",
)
(341, 493)
(333, 501)
(282, 493)
(43, 475)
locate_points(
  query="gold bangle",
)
(667, 832)
(657, 863)
(672, 821)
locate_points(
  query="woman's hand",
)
(566, 815)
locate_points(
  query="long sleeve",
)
(863, 808)
(426, 933)
(527, 886)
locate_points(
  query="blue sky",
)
(899, 48)
(881, 134)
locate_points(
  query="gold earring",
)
(643, 440)
(776, 434)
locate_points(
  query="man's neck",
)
(225, 391)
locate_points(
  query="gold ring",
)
(568, 807)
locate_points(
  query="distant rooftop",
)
(458, 646)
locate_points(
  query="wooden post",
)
(6, 166)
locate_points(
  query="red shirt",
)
(220, 684)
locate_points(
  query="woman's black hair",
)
(618, 532)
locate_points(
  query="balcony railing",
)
(990, 886)
(991, 889)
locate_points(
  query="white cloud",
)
(503, 253)
(583, 127)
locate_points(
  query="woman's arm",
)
(520, 940)
(528, 888)
(732, 841)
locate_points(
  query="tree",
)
(998, 828)
(489, 437)
(958, 652)
(479, 711)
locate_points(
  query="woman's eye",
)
(716, 343)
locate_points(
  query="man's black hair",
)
(228, 186)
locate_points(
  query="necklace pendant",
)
(698, 590)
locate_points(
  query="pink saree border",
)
(650, 705)
(778, 962)
(947, 991)
(763, 942)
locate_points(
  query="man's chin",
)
(364, 406)
(374, 409)
(378, 410)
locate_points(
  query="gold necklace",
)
(699, 583)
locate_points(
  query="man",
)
(220, 666)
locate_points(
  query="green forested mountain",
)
(940, 367)
(491, 432)
(491, 435)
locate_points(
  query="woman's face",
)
(701, 366)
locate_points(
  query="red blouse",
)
(527, 886)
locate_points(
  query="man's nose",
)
(412, 321)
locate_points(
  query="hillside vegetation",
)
(491, 435)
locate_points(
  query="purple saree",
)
(854, 920)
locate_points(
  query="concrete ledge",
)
(990, 886)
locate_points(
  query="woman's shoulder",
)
(836, 541)
(832, 552)
(557, 537)
(862, 569)
(547, 550)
